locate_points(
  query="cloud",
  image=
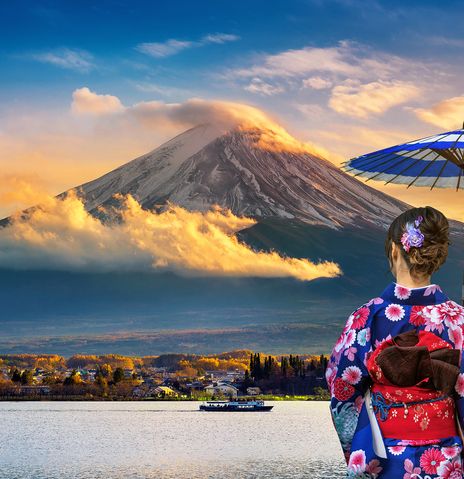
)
(220, 38)
(173, 46)
(373, 80)
(223, 115)
(87, 102)
(261, 87)
(70, 59)
(363, 100)
(317, 83)
(447, 114)
(165, 49)
(162, 90)
(348, 140)
(21, 190)
(161, 116)
(441, 41)
(60, 234)
(347, 60)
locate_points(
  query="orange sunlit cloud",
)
(362, 100)
(448, 113)
(61, 234)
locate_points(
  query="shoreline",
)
(117, 399)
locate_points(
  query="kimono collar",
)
(426, 295)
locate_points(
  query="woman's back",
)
(404, 347)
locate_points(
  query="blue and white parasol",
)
(436, 161)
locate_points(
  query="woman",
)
(394, 374)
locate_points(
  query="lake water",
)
(166, 440)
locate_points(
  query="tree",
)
(256, 368)
(106, 370)
(16, 376)
(27, 377)
(100, 380)
(73, 379)
(118, 375)
(284, 366)
(247, 382)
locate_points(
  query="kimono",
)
(405, 347)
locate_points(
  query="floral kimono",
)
(404, 347)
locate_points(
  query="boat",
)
(235, 405)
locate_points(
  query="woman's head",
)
(423, 261)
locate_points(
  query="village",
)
(164, 377)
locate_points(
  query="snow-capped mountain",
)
(205, 166)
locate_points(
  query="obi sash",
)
(414, 375)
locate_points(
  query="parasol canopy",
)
(435, 161)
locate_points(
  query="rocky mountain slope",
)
(204, 166)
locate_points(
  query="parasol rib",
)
(459, 179)
(409, 166)
(439, 174)
(422, 171)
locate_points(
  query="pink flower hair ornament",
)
(412, 237)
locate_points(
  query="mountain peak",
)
(253, 169)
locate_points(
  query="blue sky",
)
(349, 76)
(107, 33)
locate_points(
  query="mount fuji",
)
(238, 170)
(305, 207)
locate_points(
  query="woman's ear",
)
(394, 255)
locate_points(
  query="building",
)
(222, 388)
(253, 391)
(165, 391)
(195, 386)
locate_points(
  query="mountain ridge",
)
(205, 166)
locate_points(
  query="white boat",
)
(235, 405)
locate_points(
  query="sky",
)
(86, 86)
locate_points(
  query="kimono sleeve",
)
(459, 387)
(347, 375)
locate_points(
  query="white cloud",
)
(362, 100)
(362, 81)
(220, 38)
(443, 41)
(162, 90)
(346, 60)
(165, 49)
(317, 83)
(87, 102)
(448, 114)
(78, 60)
(263, 88)
(173, 46)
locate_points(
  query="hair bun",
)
(424, 260)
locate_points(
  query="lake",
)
(166, 440)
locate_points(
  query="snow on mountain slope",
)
(204, 166)
(148, 172)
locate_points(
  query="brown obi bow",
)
(404, 364)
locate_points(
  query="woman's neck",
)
(405, 279)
